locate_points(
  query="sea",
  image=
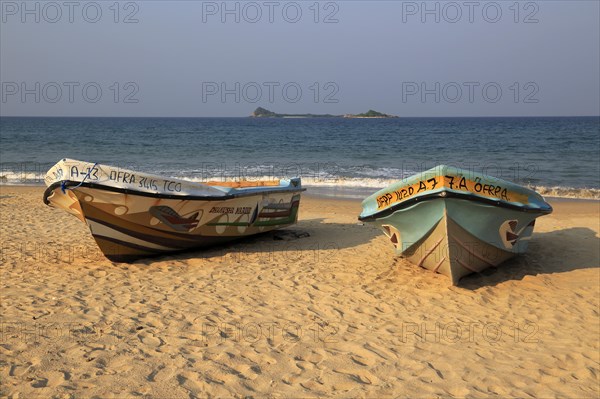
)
(557, 156)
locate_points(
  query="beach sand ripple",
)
(320, 309)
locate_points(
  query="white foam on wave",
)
(325, 183)
(375, 184)
(19, 178)
(567, 192)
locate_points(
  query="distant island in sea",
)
(265, 113)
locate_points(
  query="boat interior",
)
(244, 183)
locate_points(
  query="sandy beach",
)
(331, 313)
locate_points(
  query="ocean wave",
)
(324, 182)
(567, 192)
(21, 178)
(362, 183)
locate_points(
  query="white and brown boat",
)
(135, 215)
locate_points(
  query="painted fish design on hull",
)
(171, 218)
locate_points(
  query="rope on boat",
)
(63, 184)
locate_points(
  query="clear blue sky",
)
(349, 57)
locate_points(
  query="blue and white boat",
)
(455, 222)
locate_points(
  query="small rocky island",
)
(265, 113)
(370, 114)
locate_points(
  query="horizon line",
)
(301, 117)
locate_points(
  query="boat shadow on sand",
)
(548, 253)
(304, 240)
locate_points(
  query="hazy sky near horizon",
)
(199, 58)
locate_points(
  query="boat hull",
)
(128, 226)
(456, 237)
(134, 215)
(454, 221)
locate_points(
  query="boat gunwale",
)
(454, 195)
(245, 192)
